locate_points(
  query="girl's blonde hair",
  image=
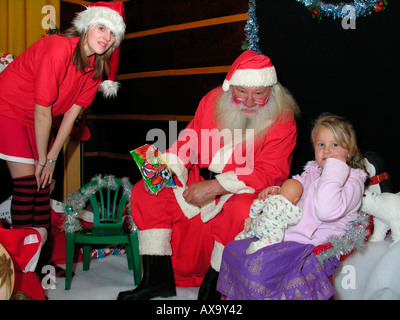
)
(344, 134)
(80, 59)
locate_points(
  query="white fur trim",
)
(216, 255)
(254, 77)
(16, 159)
(224, 154)
(188, 209)
(94, 16)
(31, 239)
(230, 182)
(177, 166)
(225, 85)
(109, 88)
(220, 159)
(155, 242)
(209, 211)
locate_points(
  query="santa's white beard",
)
(229, 115)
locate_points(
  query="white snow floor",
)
(103, 281)
(370, 274)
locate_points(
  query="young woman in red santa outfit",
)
(57, 75)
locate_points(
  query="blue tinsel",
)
(251, 28)
(361, 7)
(341, 10)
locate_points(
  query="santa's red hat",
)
(251, 70)
(112, 16)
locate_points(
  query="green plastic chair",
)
(108, 206)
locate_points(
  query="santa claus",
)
(243, 134)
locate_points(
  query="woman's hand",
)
(43, 119)
(44, 173)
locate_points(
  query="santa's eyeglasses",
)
(243, 96)
(259, 102)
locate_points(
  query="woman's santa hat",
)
(112, 16)
(251, 70)
(110, 87)
(107, 14)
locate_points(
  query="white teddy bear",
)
(385, 208)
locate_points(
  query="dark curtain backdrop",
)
(353, 73)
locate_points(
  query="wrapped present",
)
(104, 252)
(153, 167)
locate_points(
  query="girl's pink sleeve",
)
(339, 191)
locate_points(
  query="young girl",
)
(57, 75)
(333, 186)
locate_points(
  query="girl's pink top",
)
(330, 201)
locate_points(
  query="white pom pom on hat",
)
(110, 87)
(250, 70)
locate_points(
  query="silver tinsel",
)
(353, 239)
(76, 201)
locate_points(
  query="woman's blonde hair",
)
(344, 134)
(80, 59)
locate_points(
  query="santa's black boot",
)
(208, 288)
(158, 280)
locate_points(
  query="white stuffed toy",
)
(385, 207)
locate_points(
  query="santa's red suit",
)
(195, 237)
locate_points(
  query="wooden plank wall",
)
(174, 52)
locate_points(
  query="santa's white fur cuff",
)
(155, 242)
